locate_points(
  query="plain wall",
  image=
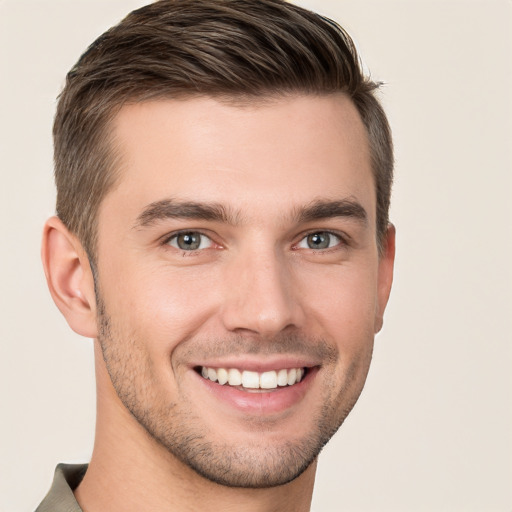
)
(433, 428)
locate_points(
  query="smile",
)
(253, 380)
(258, 388)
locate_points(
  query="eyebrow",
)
(175, 209)
(325, 209)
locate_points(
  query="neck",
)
(130, 471)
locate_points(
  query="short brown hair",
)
(238, 49)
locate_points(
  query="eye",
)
(190, 241)
(319, 240)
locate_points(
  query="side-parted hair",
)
(233, 50)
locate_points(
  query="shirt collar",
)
(60, 497)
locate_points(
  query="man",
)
(223, 177)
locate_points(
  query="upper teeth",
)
(253, 380)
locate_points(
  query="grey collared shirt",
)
(60, 497)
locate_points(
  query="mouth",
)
(253, 381)
(261, 388)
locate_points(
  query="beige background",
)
(433, 428)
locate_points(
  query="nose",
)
(260, 294)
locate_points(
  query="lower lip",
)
(260, 401)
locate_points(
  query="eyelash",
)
(166, 241)
(343, 241)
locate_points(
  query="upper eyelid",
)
(341, 242)
(344, 237)
(169, 236)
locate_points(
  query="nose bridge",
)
(260, 297)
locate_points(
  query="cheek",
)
(343, 303)
(160, 305)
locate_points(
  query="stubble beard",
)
(185, 436)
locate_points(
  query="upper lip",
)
(259, 365)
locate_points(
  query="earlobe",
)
(69, 277)
(385, 277)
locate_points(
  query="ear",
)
(69, 277)
(385, 275)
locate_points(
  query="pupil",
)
(188, 241)
(318, 241)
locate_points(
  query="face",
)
(239, 281)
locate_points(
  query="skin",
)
(256, 293)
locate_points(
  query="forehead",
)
(271, 155)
